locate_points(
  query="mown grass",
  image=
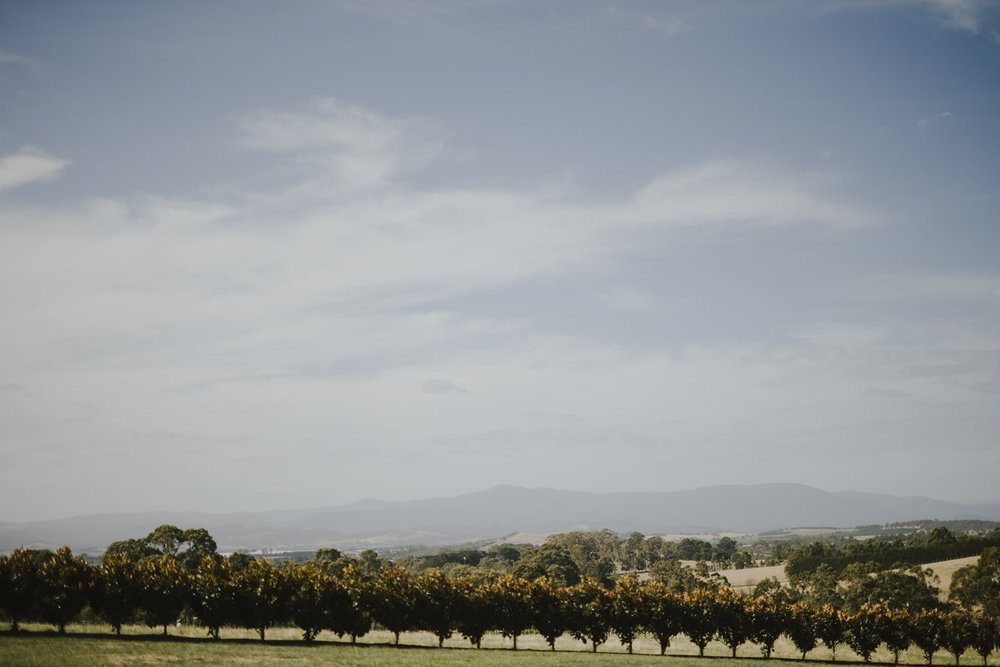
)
(93, 645)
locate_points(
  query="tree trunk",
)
(440, 642)
(515, 642)
(734, 651)
(804, 654)
(62, 628)
(630, 647)
(164, 629)
(701, 651)
(594, 645)
(397, 638)
(479, 641)
(354, 639)
(261, 631)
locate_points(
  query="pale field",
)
(744, 580)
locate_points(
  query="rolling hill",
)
(506, 509)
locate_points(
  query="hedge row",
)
(218, 592)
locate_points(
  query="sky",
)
(260, 255)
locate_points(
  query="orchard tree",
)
(897, 632)
(308, 605)
(661, 613)
(394, 600)
(729, 609)
(803, 627)
(589, 612)
(925, 631)
(354, 618)
(473, 610)
(831, 627)
(437, 604)
(626, 610)
(163, 590)
(115, 595)
(263, 593)
(212, 594)
(958, 631)
(20, 584)
(66, 584)
(548, 607)
(698, 617)
(510, 598)
(865, 630)
(986, 636)
(769, 617)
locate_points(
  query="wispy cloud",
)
(362, 147)
(29, 165)
(8, 58)
(961, 14)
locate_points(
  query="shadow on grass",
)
(154, 638)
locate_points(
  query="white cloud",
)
(360, 146)
(961, 14)
(29, 165)
(922, 125)
(670, 25)
(8, 58)
(730, 190)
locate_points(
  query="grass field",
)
(94, 645)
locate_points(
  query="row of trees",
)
(339, 595)
(937, 545)
(594, 554)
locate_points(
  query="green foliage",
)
(213, 594)
(939, 545)
(865, 629)
(116, 593)
(473, 609)
(437, 602)
(20, 583)
(925, 631)
(588, 612)
(958, 631)
(548, 608)
(831, 627)
(65, 587)
(977, 587)
(904, 588)
(393, 600)
(163, 590)
(729, 610)
(263, 595)
(698, 619)
(768, 617)
(661, 613)
(803, 627)
(551, 561)
(510, 602)
(626, 610)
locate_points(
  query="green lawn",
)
(93, 645)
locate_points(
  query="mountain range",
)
(503, 510)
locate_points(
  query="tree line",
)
(936, 545)
(173, 574)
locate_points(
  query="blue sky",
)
(271, 256)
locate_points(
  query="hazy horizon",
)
(259, 256)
